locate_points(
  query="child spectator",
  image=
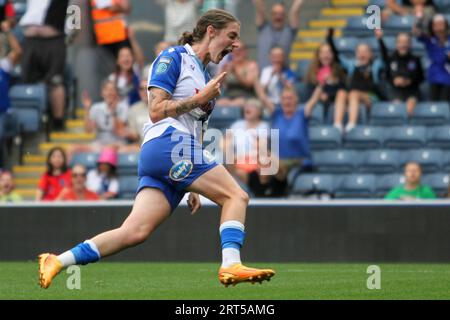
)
(6, 66)
(138, 115)
(242, 140)
(364, 79)
(437, 43)
(78, 191)
(242, 75)
(326, 79)
(107, 118)
(56, 178)
(412, 189)
(404, 71)
(126, 77)
(103, 180)
(7, 193)
(274, 78)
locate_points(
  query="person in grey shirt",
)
(279, 31)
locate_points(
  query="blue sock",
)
(85, 253)
(232, 238)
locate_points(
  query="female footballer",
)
(181, 98)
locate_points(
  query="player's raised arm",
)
(161, 106)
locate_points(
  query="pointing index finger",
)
(221, 77)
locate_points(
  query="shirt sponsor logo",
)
(181, 170)
(163, 65)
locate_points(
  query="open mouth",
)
(225, 52)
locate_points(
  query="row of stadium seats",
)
(361, 185)
(372, 137)
(126, 165)
(442, 5)
(379, 161)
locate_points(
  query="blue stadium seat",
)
(406, 137)
(313, 183)
(439, 137)
(364, 137)
(324, 137)
(356, 186)
(429, 159)
(431, 114)
(223, 117)
(127, 164)
(439, 182)
(417, 47)
(88, 159)
(302, 69)
(388, 114)
(346, 45)
(362, 115)
(380, 161)
(389, 41)
(128, 186)
(380, 3)
(317, 115)
(446, 161)
(396, 24)
(384, 183)
(12, 125)
(29, 119)
(336, 161)
(357, 27)
(443, 6)
(303, 91)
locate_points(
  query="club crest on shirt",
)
(163, 65)
(181, 170)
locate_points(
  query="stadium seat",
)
(357, 27)
(356, 186)
(336, 161)
(302, 69)
(406, 137)
(362, 116)
(380, 161)
(439, 182)
(324, 137)
(379, 3)
(396, 24)
(346, 45)
(127, 164)
(375, 46)
(431, 114)
(12, 125)
(313, 183)
(317, 116)
(446, 161)
(417, 47)
(223, 117)
(388, 114)
(439, 137)
(303, 91)
(364, 137)
(29, 119)
(128, 186)
(87, 159)
(384, 183)
(443, 6)
(429, 159)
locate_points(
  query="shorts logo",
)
(181, 170)
(163, 65)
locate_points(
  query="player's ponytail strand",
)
(219, 19)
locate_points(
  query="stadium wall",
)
(286, 231)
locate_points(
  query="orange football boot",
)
(49, 267)
(239, 273)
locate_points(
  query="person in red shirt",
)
(78, 191)
(56, 178)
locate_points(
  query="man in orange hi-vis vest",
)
(109, 23)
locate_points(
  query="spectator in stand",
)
(138, 115)
(437, 44)
(7, 14)
(412, 189)
(56, 178)
(242, 75)
(78, 191)
(44, 55)
(292, 122)
(363, 74)
(404, 71)
(103, 180)
(274, 78)
(6, 66)
(107, 118)
(181, 16)
(228, 5)
(159, 47)
(7, 193)
(242, 140)
(280, 31)
(126, 77)
(423, 8)
(326, 79)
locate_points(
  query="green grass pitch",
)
(178, 281)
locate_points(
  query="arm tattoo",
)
(166, 112)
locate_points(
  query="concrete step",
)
(342, 12)
(34, 159)
(46, 146)
(328, 23)
(316, 35)
(71, 137)
(28, 172)
(353, 3)
(27, 194)
(302, 55)
(26, 183)
(307, 45)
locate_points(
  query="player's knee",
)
(135, 236)
(241, 196)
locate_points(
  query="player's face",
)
(403, 44)
(224, 42)
(413, 173)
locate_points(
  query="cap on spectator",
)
(108, 155)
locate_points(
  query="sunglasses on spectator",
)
(78, 174)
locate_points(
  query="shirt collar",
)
(194, 55)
